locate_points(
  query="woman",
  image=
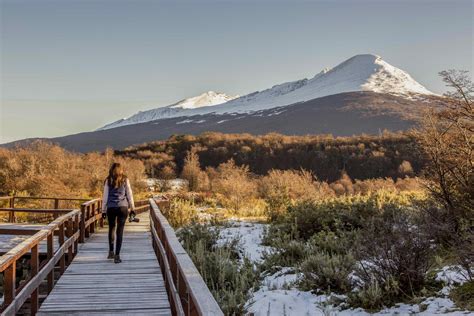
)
(118, 198)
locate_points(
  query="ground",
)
(278, 294)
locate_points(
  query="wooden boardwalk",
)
(94, 285)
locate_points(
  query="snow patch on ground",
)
(452, 275)
(249, 236)
(278, 294)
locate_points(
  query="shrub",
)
(345, 212)
(286, 253)
(395, 254)
(463, 295)
(233, 186)
(325, 271)
(44, 169)
(282, 188)
(370, 297)
(228, 277)
(197, 179)
(180, 213)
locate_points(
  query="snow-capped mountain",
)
(360, 73)
(206, 99)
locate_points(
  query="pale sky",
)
(73, 66)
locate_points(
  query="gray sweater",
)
(117, 197)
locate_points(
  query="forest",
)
(326, 157)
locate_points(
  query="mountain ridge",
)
(364, 72)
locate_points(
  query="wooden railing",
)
(12, 201)
(67, 227)
(71, 226)
(90, 214)
(187, 291)
(142, 206)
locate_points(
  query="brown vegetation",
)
(43, 169)
(361, 157)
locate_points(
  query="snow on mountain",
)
(365, 72)
(206, 99)
(209, 98)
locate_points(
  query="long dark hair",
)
(116, 176)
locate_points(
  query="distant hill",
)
(344, 114)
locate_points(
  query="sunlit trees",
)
(447, 139)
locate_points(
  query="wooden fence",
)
(70, 226)
(187, 291)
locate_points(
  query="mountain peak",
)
(208, 98)
(364, 72)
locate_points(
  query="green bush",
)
(228, 277)
(287, 253)
(325, 271)
(463, 295)
(394, 255)
(370, 297)
(340, 242)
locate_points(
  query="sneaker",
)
(111, 255)
(117, 259)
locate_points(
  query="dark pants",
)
(118, 214)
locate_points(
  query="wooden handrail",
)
(69, 226)
(186, 289)
(14, 298)
(34, 210)
(47, 198)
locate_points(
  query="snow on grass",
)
(249, 236)
(452, 275)
(278, 294)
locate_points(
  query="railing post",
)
(93, 216)
(9, 285)
(76, 229)
(69, 235)
(50, 257)
(56, 206)
(101, 220)
(82, 236)
(11, 217)
(62, 262)
(88, 214)
(34, 272)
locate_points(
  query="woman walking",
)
(117, 199)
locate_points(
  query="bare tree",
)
(447, 138)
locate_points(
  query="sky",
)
(73, 66)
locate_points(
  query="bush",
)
(282, 188)
(197, 179)
(345, 212)
(180, 213)
(463, 295)
(371, 297)
(228, 277)
(44, 169)
(233, 186)
(330, 263)
(286, 253)
(394, 255)
(325, 271)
